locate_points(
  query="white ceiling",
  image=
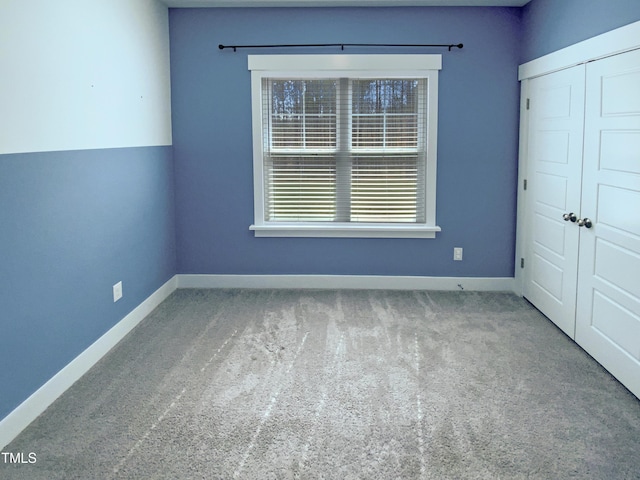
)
(344, 3)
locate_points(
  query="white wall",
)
(83, 74)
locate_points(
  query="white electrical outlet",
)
(457, 253)
(117, 291)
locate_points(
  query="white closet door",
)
(556, 122)
(608, 310)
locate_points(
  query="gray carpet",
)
(281, 384)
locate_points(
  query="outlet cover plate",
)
(117, 291)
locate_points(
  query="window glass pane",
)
(303, 114)
(386, 188)
(300, 188)
(385, 113)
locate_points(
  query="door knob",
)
(569, 216)
(584, 222)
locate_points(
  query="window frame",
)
(340, 66)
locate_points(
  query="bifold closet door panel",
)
(556, 121)
(608, 307)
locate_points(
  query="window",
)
(344, 145)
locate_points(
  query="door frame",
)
(616, 41)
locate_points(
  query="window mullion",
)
(304, 116)
(343, 151)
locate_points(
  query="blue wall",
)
(73, 224)
(477, 140)
(549, 25)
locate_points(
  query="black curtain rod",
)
(341, 45)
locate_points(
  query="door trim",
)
(610, 43)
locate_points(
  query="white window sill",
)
(342, 230)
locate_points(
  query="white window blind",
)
(344, 149)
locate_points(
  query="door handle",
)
(569, 216)
(585, 222)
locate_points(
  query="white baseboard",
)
(365, 282)
(38, 402)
